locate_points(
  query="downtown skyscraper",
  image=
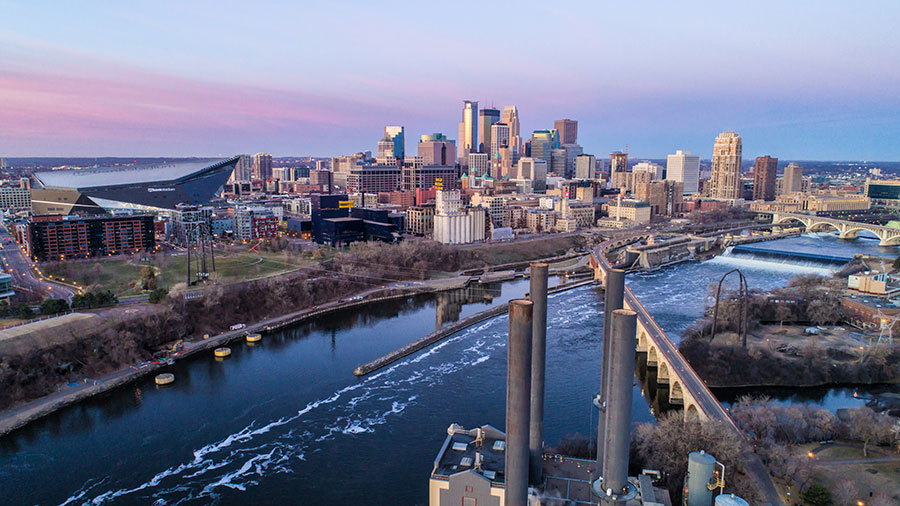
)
(468, 131)
(725, 183)
(510, 116)
(684, 168)
(568, 131)
(486, 118)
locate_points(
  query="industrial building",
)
(486, 466)
(337, 222)
(58, 237)
(158, 187)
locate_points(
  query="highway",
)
(690, 381)
(21, 269)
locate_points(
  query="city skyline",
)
(183, 80)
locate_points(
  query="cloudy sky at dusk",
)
(798, 79)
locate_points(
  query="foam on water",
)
(241, 459)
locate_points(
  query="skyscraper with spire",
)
(725, 183)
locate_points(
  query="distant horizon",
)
(813, 80)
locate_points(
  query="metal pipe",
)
(538, 370)
(614, 299)
(518, 401)
(618, 413)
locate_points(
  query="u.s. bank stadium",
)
(157, 187)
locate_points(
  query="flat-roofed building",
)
(15, 199)
(374, 178)
(420, 220)
(764, 178)
(59, 237)
(683, 167)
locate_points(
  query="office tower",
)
(554, 135)
(764, 178)
(541, 144)
(396, 134)
(436, 149)
(486, 118)
(558, 162)
(585, 167)
(499, 151)
(618, 162)
(3, 164)
(386, 151)
(793, 179)
(725, 182)
(510, 116)
(534, 169)
(683, 167)
(572, 152)
(499, 139)
(479, 165)
(468, 131)
(568, 131)
(262, 166)
(654, 169)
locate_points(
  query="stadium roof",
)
(111, 176)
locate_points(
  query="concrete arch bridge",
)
(887, 236)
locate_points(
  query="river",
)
(286, 422)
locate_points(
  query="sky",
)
(805, 80)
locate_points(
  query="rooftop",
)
(459, 450)
(112, 176)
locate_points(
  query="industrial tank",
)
(730, 500)
(701, 467)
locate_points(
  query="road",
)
(21, 269)
(691, 382)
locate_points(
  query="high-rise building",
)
(486, 118)
(764, 178)
(585, 167)
(654, 169)
(541, 144)
(510, 116)
(725, 182)
(386, 151)
(500, 154)
(535, 170)
(618, 162)
(396, 134)
(436, 149)
(568, 131)
(683, 167)
(479, 165)
(468, 131)
(242, 169)
(572, 152)
(558, 162)
(262, 166)
(793, 179)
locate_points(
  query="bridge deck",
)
(680, 369)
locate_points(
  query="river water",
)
(286, 422)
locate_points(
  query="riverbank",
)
(448, 330)
(27, 412)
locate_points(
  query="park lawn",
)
(112, 274)
(231, 267)
(116, 274)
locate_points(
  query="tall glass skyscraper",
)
(468, 131)
(396, 134)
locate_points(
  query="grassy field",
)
(122, 275)
(866, 477)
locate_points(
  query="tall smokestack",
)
(618, 413)
(614, 299)
(518, 401)
(538, 369)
